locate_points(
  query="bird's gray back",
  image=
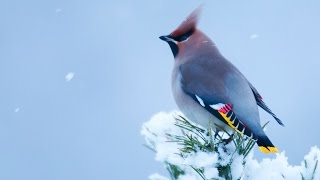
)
(211, 76)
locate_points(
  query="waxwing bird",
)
(207, 87)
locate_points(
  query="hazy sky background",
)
(78, 79)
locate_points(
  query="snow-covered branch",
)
(191, 152)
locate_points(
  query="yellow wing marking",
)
(269, 149)
(229, 122)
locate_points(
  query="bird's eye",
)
(184, 36)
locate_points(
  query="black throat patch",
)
(174, 48)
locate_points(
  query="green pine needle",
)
(195, 139)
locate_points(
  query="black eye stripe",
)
(184, 36)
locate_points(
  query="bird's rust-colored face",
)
(183, 32)
(175, 42)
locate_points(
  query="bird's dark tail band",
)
(265, 145)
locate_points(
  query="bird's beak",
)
(172, 43)
(166, 38)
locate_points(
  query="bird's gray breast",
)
(189, 107)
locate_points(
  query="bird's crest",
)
(189, 24)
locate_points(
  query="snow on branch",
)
(191, 152)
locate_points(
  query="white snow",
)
(254, 36)
(161, 123)
(69, 76)
(155, 133)
(311, 158)
(188, 177)
(157, 176)
(58, 10)
(225, 157)
(211, 172)
(237, 167)
(271, 168)
(201, 159)
(168, 151)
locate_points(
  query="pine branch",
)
(190, 151)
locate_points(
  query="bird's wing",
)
(199, 82)
(263, 105)
(225, 113)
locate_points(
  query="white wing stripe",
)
(200, 101)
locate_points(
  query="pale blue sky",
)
(89, 127)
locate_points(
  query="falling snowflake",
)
(58, 10)
(69, 76)
(254, 36)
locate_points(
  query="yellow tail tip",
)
(268, 149)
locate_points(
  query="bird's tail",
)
(265, 145)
